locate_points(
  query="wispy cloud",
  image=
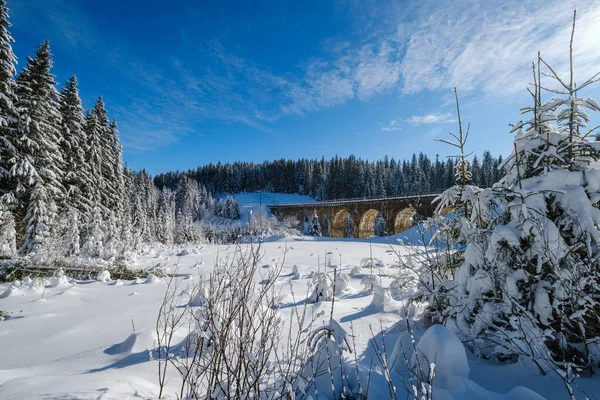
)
(433, 118)
(391, 126)
(489, 46)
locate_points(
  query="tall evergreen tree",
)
(8, 123)
(39, 170)
(77, 175)
(8, 111)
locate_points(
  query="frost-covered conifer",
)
(349, 227)
(166, 216)
(314, 229)
(40, 165)
(77, 174)
(232, 208)
(528, 281)
(187, 210)
(8, 123)
(8, 111)
(379, 228)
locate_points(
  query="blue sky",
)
(192, 82)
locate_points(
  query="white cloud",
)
(391, 127)
(490, 45)
(433, 118)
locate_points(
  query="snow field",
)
(85, 339)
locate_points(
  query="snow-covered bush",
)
(104, 276)
(323, 290)
(235, 346)
(326, 373)
(342, 284)
(527, 280)
(370, 282)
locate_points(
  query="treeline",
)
(63, 189)
(338, 177)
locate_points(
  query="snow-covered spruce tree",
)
(8, 122)
(166, 216)
(93, 225)
(187, 200)
(529, 281)
(39, 169)
(314, 229)
(110, 176)
(232, 208)
(325, 226)
(348, 227)
(8, 111)
(77, 173)
(379, 228)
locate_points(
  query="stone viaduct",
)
(398, 212)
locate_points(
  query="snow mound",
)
(295, 273)
(12, 291)
(381, 298)
(522, 393)
(403, 348)
(137, 342)
(152, 279)
(59, 279)
(439, 345)
(104, 276)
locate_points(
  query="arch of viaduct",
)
(399, 213)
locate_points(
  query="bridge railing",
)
(414, 195)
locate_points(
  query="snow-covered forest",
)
(64, 190)
(339, 177)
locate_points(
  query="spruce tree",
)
(8, 111)
(39, 170)
(8, 124)
(527, 282)
(77, 177)
(314, 229)
(349, 227)
(379, 228)
(325, 226)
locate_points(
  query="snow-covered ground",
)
(89, 340)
